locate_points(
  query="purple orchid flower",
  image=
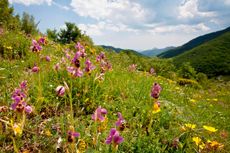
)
(19, 99)
(114, 137)
(120, 120)
(48, 59)
(23, 85)
(42, 41)
(60, 90)
(156, 89)
(78, 73)
(35, 69)
(28, 109)
(98, 114)
(35, 46)
(80, 49)
(152, 71)
(75, 71)
(100, 57)
(78, 46)
(89, 66)
(72, 135)
(76, 58)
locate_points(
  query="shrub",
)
(187, 71)
(202, 78)
(13, 45)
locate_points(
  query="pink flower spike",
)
(156, 89)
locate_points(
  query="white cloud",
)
(63, 7)
(114, 10)
(30, 2)
(227, 2)
(189, 9)
(101, 27)
(201, 27)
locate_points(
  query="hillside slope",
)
(119, 50)
(193, 43)
(212, 58)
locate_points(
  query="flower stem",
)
(71, 103)
(14, 144)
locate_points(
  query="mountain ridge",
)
(156, 51)
(193, 43)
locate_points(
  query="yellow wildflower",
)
(177, 88)
(215, 144)
(197, 140)
(156, 108)
(9, 47)
(48, 133)
(209, 128)
(193, 100)
(17, 129)
(215, 99)
(190, 126)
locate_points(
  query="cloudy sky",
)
(134, 24)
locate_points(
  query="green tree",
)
(7, 18)
(69, 34)
(52, 34)
(28, 24)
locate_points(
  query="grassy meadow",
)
(62, 90)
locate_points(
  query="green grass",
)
(121, 91)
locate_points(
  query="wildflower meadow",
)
(69, 99)
(62, 93)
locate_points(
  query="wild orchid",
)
(19, 99)
(35, 69)
(120, 122)
(72, 134)
(35, 46)
(155, 91)
(114, 138)
(99, 114)
(89, 66)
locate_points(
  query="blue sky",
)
(134, 24)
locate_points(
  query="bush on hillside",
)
(187, 71)
(13, 45)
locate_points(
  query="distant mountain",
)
(118, 50)
(212, 57)
(112, 48)
(192, 44)
(156, 51)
